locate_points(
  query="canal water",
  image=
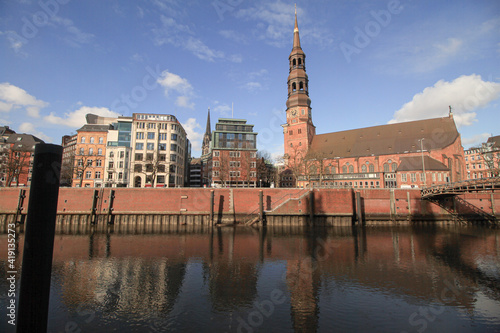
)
(226, 279)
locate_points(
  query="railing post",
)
(34, 289)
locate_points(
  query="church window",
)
(294, 62)
(371, 168)
(386, 167)
(363, 168)
(301, 85)
(351, 169)
(344, 169)
(394, 166)
(300, 61)
(294, 86)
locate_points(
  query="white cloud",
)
(184, 102)
(222, 109)
(75, 37)
(181, 35)
(196, 138)
(174, 83)
(12, 97)
(29, 128)
(476, 140)
(76, 118)
(253, 86)
(234, 36)
(275, 20)
(466, 94)
(16, 41)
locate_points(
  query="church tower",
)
(299, 129)
(207, 138)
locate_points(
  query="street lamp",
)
(260, 182)
(423, 162)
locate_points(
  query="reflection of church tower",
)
(299, 129)
(207, 138)
(303, 282)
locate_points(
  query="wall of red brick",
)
(375, 202)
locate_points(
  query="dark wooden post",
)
(20, 203)
(93, 211)
(111, 218)
(311, 207)
(34, 289)
(359, 212)
(261, 207)
(212, 195)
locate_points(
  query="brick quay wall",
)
(288, 206)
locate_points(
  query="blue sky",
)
(369, 63)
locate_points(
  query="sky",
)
(369, 63)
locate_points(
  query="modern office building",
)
(160, 151)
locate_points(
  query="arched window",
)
(312, 169)
(294, 86)
(363, 168)
(301, 85)
(137, 181)
(386, 167)
(91, 151)
(294, 63)
(300, 61)
(371, 168)
(394, 166)
(351, 169)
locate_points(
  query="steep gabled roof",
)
(95, 128)
(414, 163)
(23, 142)
(495, 140)
(388, 139)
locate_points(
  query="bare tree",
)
(84, 162)
(16, 165)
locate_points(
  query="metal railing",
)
(475, 185)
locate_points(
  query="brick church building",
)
(401, 155)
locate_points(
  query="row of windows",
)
(155, 117)
(161, 126)
(151, 136)
(91, 140)
(91, 151)
(436, 176)
(121, 154)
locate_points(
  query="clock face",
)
(294, 113)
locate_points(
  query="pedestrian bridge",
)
(468, 186)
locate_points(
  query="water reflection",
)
(292, 279)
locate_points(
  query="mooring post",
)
(212, 196)
(311, 207)
(261, 207)
(493, 212)
(34, 289)
(111, 218)
(359, 213)
(20, 203)
(94, 207)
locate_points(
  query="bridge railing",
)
(471, 185)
